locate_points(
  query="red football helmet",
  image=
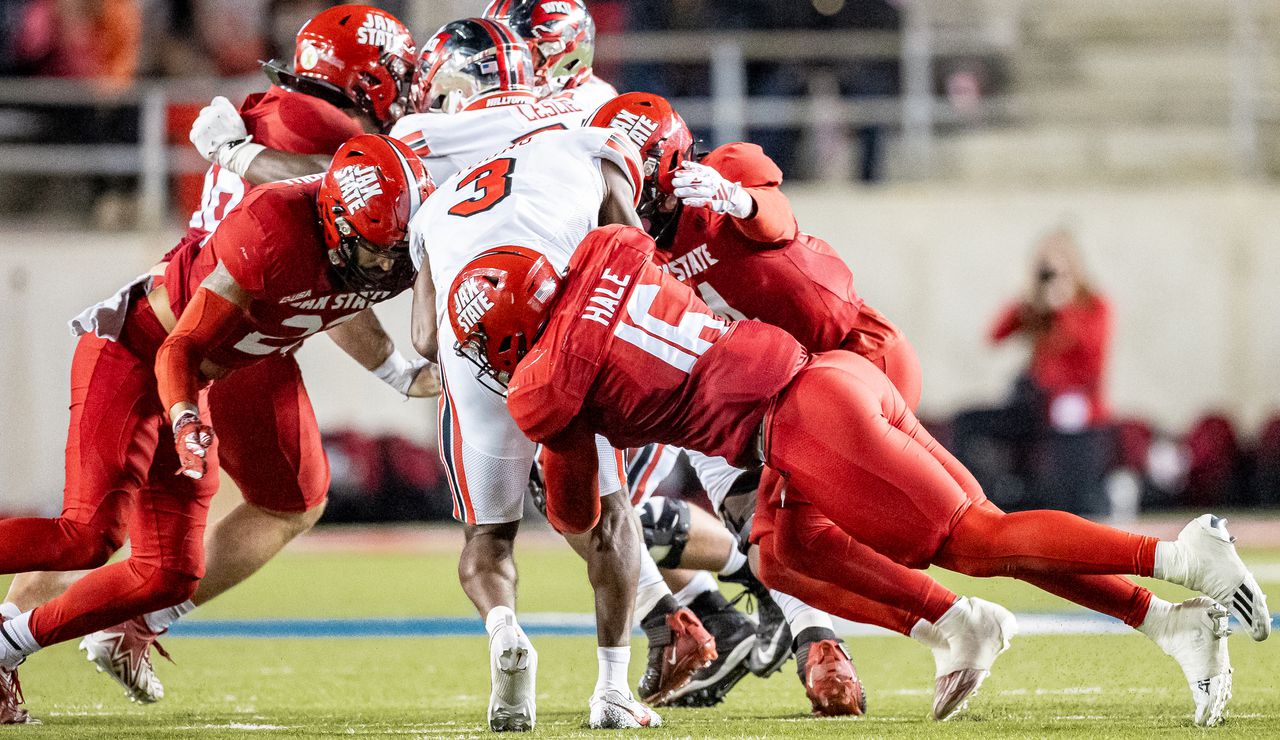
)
(498, 306)
(468, 59)
(353, 56)
(561, 34)
(659, 133)
(367, 198)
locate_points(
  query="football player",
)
(624, 350)
(292, 260)
(352, 72)
(562, 36)
(545, 193)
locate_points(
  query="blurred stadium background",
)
(934, 143)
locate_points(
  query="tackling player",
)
(351, 73)
(629, 352)
(292, 260)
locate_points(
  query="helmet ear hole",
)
(505, 344)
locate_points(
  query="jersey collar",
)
(500, 98)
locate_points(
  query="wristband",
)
(186, 417)
(238, 155)
(398, 372)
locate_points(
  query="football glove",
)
(192, 439)
(700, 186)
(221, 138)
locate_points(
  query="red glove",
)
(192, 438)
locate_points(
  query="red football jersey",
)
(273, 246)
(772, 272)
(277, 119)
(636, 354)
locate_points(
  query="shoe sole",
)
(103, 665)
(731, 671)
(512, 717)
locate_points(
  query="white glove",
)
(700, 186)
(220, 136)
(400, 372)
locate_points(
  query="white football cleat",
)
(614, 710)
(1194, 633)
(1211, 565)
(513, 674)
(976, 633)
(124, 653)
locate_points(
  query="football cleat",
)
(773, 637)
(124, 653)
(977, 632)
(735, 637)
(1211, 565)
(513, 673)
(679, 646)
(11, 710)
(1194, 633)
(613, 710)
(830, 680)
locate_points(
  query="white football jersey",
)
(451, 142)
(590, 93)
(543, 194)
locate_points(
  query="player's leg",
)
(487, 462)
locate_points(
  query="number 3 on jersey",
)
(491, 182)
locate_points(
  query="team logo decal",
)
(308, 56)
(637, 127)
(377, 31)
(357, 184)
(470, 304)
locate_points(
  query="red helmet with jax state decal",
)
(468, 59)
(659, 133)
(560, 32)
(353, 56)
(498, 306)
(371, 191)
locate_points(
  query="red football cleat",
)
(831, 681)
(11, 709)
(689, 648)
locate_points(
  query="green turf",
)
(1104, 686)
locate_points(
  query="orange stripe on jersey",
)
(620, 469)
(649, 469)
(633, 169)
(417, 141)
(462, 473)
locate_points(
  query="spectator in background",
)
(1053, 431)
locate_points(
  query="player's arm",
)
(618, 206)
(365, 340)
(569, 470)
(220, 136)
(745, 188)
(422, 328)
(215, 312)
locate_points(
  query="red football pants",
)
(843, 436)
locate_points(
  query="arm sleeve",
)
(569, 470)
(305, 125)
(1008, 323)
(746, 164)
(240, 243)
(207, 321)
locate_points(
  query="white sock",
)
(1156, 612)
(925, 633)
(498, 617)
(946, 623)
(1170, 563)
(650, 588)
(614, 662)
(160, 619)
(702, 582)
(800, 616)
(736, 561)
(16, 641)
(9, 610)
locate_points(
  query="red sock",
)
(107, 597)
(1114, 596)
(988, 542)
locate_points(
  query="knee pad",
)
(666, 523)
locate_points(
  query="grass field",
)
(1093, 685)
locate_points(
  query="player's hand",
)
(426, 384)
(700, 186)
(192, 438)
(218, 124)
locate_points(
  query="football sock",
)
(926, 634)
(737, 559)
(1115, 596)
(16, 641)
(702, 583)
(613, 669)
(650, 588)
(988, 542)
(1170, 563)
(160, 619)
(1158, 612)
(9, 610)
(799, 615)
(498, 617)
